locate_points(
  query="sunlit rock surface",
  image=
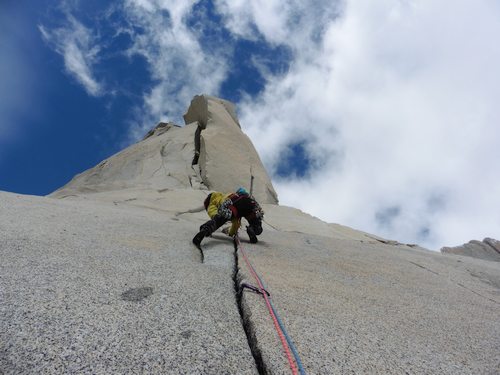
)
(227, 156)
(101, 276)
(210, 152)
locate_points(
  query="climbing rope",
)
(285, 339)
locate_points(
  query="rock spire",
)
(210, 152)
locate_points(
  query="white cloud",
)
(398, 99)
(178, 63)
(242, 17)
(79, 49)
(175, 58)
(295, 23)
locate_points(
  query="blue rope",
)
(288, 339)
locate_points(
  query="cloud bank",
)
(396, 107)
(176, 58)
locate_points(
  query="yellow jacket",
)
(216, 200)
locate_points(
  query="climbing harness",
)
(285, 339)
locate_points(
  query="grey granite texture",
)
(353, 307)
(71, 302)
(111, 288)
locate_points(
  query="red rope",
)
(271, 312)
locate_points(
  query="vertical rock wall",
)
(227, 157)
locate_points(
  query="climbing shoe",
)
(251, 234)
(197, 239)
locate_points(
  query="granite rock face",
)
(210, 153)
(101, 277)
(227, 157)
(488, 249)
(161, 161)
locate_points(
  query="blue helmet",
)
(242, 191)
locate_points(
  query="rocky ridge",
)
(488, 249)
(100, 277)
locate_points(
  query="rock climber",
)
(233, 206)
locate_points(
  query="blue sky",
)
(71, 120)
(387, 111)
(60, 124)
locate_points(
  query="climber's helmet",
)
(242, 191)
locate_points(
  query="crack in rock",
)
(197, 136)
(245, 317)
(425, 268)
